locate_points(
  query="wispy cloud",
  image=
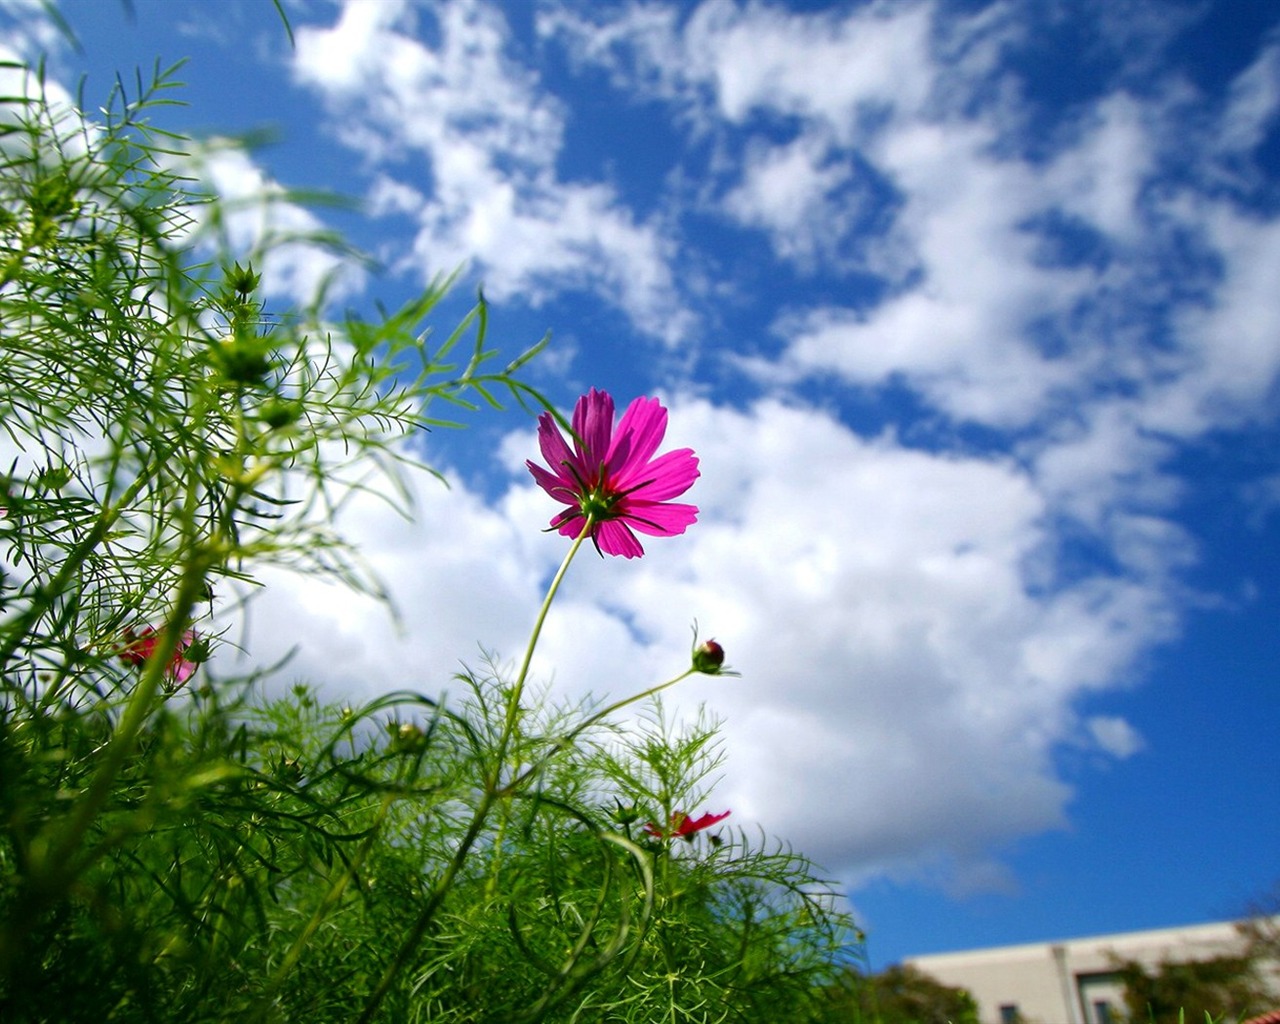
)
(486, 137)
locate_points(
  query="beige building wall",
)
(1073, 981)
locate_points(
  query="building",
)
(1074, 981)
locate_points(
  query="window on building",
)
(1102, 1012)
(1009, 1014)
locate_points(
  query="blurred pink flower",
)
(684, 826)
(611, 476)
(140, 646)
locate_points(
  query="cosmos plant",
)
(181, 840)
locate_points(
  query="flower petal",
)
(593, 423)
(614, 538)
(569, 522)
(698, 824)
(556, 486)
(638, 435)
(555, 450)
(667, 476)
(659, 518)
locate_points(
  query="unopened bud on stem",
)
(708, 657)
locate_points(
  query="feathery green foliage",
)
(174, 846)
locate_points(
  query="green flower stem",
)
(599, 716)
(58, 853)
(331, 899)
(57, 856)
(17, 630)
(653, 691)
(513, 706)
(517, 690)
(488, 798)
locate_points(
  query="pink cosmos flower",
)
(611, 477)
(684, 826)
(139, 647)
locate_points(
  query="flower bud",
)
(278, 413)
(197, 651)
(708, 657)
(626, 814)
(54, 477)
(243, 280)
(243, 359)
(407, 738)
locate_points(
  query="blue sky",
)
(970, 310)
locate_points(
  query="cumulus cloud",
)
(462, 579)
(1028, 272)
(905, 678)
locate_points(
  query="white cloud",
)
(734, 62)
(1100, 178)
(1104, 454)
(1115, 736)
(905, 681)
(968, 336)
(807, 201)
(1253, 102)
(766, 60)
(462, 577)
(996, 310)
(1234, 340)
(489, 137)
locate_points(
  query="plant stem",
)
(517, 690)
(488, 798)
(322, 911)
(599, 716)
